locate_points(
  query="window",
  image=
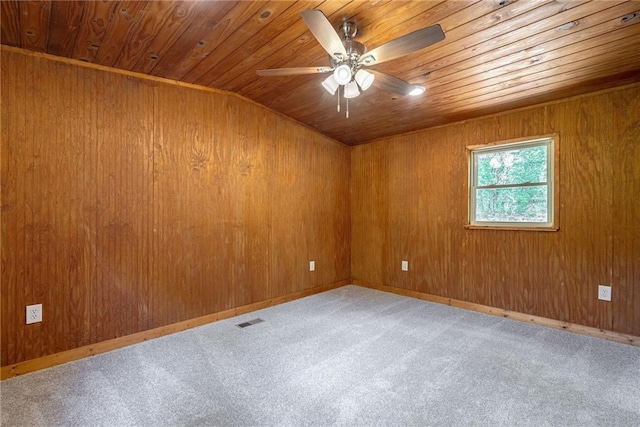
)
(511, 185)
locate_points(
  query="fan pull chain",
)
(347, 107)
(338, 99)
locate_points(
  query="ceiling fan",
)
(348, 58)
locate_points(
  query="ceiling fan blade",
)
(296, 71)
(324, 32)
(392, 84)
(404, 45)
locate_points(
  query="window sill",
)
(510, 228)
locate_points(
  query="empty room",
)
(268, 213)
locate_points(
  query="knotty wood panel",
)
(212, 40)
(130, 204)
(125, 20)
(34, 21)
(97, 15)
(195, 36)
(409, 201)
(173, 25)
(65, 21)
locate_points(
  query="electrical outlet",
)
(604, 292)
(34, 313)
(312, 266)
(405, 265)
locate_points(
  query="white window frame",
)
(551, 141)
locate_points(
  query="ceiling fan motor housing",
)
(354, 49)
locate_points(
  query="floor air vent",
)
(249, 323)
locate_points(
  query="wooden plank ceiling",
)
(497, 54)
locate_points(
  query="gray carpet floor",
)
(351, 356)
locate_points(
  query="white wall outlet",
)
(604, 292)
(34, 313)
(405, 265)
(312, 266)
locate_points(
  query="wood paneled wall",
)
(130, 204)
(409, 202)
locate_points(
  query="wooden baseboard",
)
(44, 362)
(542, 321)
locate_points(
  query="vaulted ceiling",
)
(496, 55)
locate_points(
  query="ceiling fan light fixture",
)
(342, 74)
(417, 90)
(351, 90)
(330, 84)
(365, 79)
